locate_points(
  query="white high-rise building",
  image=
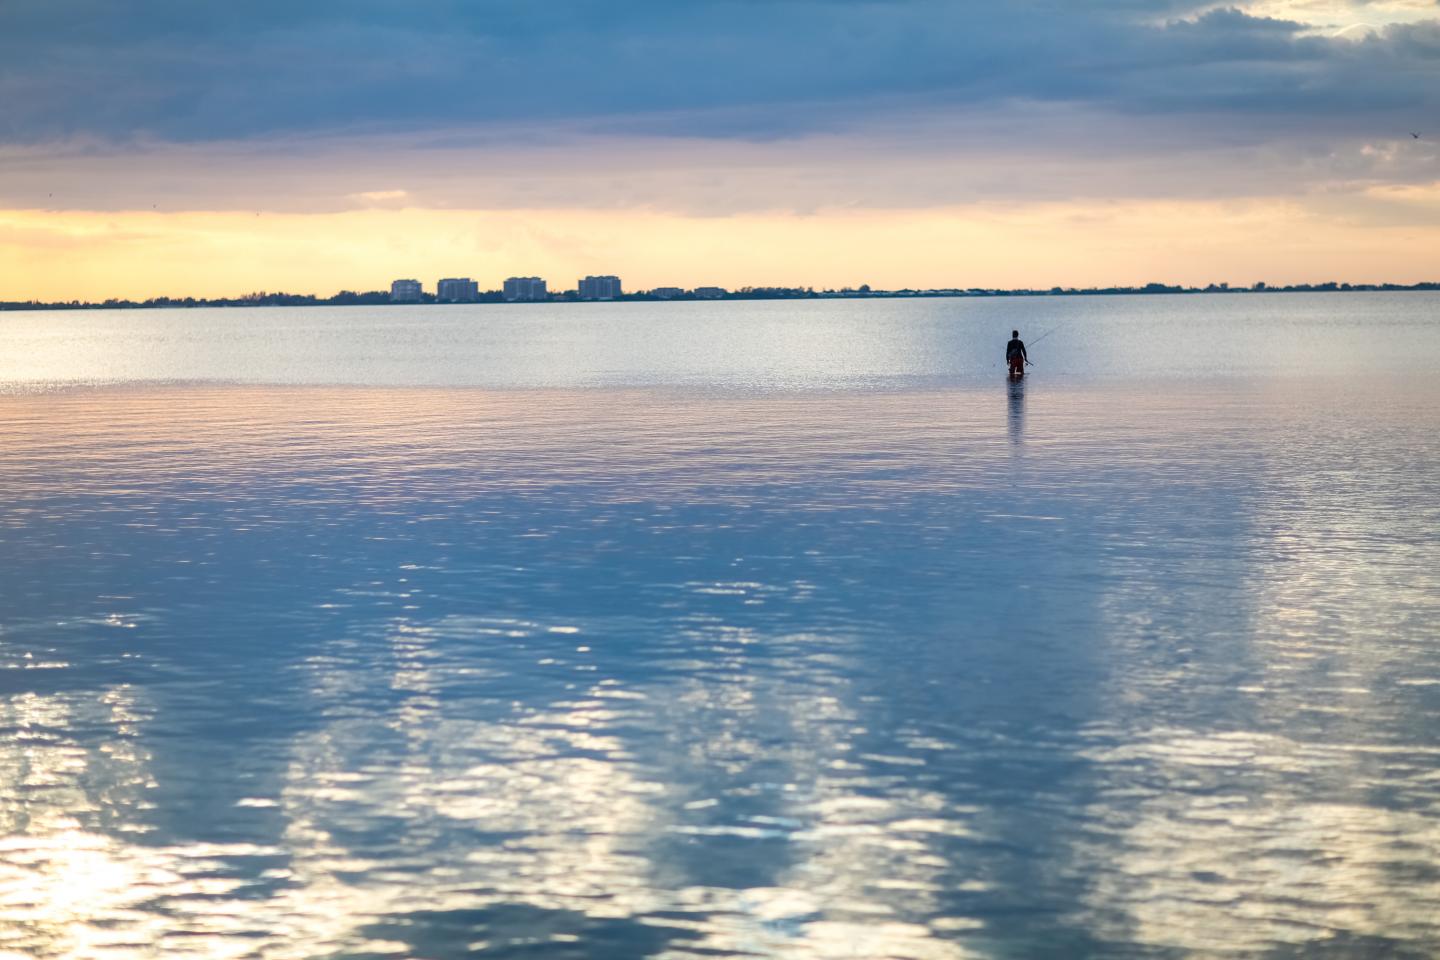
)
(525, 290)
(710, 293)
(405, 291)
(600, 288)
(457, 290)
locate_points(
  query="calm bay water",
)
(779, 630)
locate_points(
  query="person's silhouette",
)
(1015, 354)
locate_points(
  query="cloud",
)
(180, 71)
(705, 109)
(380, 196)
(1025, 152)
(1347, 17)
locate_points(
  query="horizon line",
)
(864, 291)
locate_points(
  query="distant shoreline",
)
(347, 298)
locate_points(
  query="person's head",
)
(1015, 334)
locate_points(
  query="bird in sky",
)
(1414, 134)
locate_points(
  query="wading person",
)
(1015, 354)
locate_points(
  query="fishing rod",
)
(1042, 336)
(1028, 361)
(1047, 333)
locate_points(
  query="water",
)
(761, 345)
(780, 630)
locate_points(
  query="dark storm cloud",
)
(182, 70)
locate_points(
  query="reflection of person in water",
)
(1016, 410)
(1015, 354)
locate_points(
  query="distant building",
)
(525, 289)
(710, 293)
(667, 293)
(405, 291)
(600, 288)
(457, 290)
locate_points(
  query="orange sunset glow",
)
(88, 255)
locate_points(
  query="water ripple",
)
(305, 672)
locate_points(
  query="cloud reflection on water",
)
(410, 671)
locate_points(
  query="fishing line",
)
(1047, 333)
(1043, 336)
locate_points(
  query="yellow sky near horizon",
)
(95, 255)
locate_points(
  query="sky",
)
(169, 147)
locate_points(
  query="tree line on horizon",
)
(382, 297)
